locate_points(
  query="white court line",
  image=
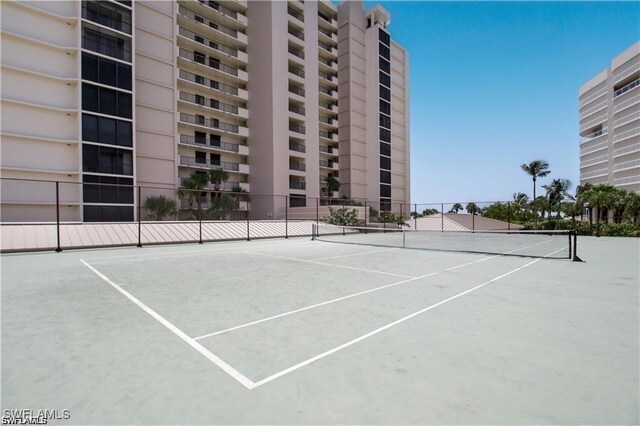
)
(354, 254)
(336, 300)
(349, 296)
(329, 264)
(393, 324)
(197, 346)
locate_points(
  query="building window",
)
(385, 93)
(385, 65)
(107, 14)
(385, 163)
(385, 177)
(385, 190)
(385, 107)
(105, 44)
(108, 213)
(385, 149)
(385, 135)
(198, 57)
(385, 205)
(384, 37)
(106, 101)
(201, 138)
(103, 159)
(385, 79)
(385, 52)
(385, 121)
(107, 189)
(106, 130)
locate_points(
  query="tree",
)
(557, 190)
(160, 206)
(632, 207)
(217, 177)
(429, 212)
(472, 208)
(536, 169)
(192, 188)
(220, 207)
(456, 208)
(333, 184)
(520, 198)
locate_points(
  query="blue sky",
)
(494, 85)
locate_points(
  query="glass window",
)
(385, 176)
(89, 128)
(108, 102)
(384, 37)
(385, 93)
(108, 73)
(385, 79)
(199, 79)
(107, 129)
(125, 134)
(385, 121)
(385, 190)
(90, 67)
(385, 163)
(385, 149)
(90, 97)
(201, 137)
(385, 65)
(124, 105)
(124, 76)
(385, 205)
(385, 135)
(385, 107)
(385, 52)
(198, 57)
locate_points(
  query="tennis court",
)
(314, 332)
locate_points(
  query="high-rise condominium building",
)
(610, 124)
(281, 95)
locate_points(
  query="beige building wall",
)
(610, 124)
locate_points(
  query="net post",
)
(58, 248)
(570, 247)
(404, 240)
(575, 247)
(365, 212)
(509, 215)
(415, 216)
(314, 230)
(286, 216)
(139, 217)
(199, 220)
(473, 219)
(317, 210)
(441, 217)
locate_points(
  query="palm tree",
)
(456, 208)
(632, 207)
(536, 169)
(472, 208)
(557, 190)
(333, 184)
(217, 177)
(192, 188)
(520, 198)
(601, 197)
(160, 206)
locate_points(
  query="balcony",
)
(329, 36)
(598, 119)
(327, 47)
(625, 119)
(592, 97)
(206, 163)
(328, 106)
(213, 144)
(627, 180)
(296, 71)
(635, 83)
(214, 28)
(329, 135)
(298, 34)
(594, 174)
(106, 45)
(225, 11)
(328, 120)
(626, 135)
(292, 12)
(213, 123)
(632, 98)
(301, 167)
(296, 52)
(324, 19)
(297, 185)
(598, 160)
(327, 65)
(293, 146)
(593, 136)
(329, 164)
(213, 104)
(584, 150)
(328, 77)
(297, 128)
(627, 165)
(296, 109)
(220, 48)
(296, 90)
(213, 63)
(108, 14)
(621, 74)
(632, 149)
(213, 84)
(327, 91)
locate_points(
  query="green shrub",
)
(343, 217)
(159, 206)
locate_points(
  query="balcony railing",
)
(593, 96)
(296, 71)
(296, 90)
(211, 84)
(227, 186)
(326, 149)
(600, 159)
(296, 52)
(216, 26)
(326, 61)
(213, 123)
(326, 120)
(296, 128)
(635, 83)
(224, 146)
(222, 9)
(296, 33)
(207, 163)
(326, 47)
(626, 165)
(325, 90)
(326, 76)
(625, 135)
(325, 17)
(187, 54)
(627, 180)
(297, 185)
(297, 109)
(326, 163)
(595, 173)
(105, 47)
(632, 100)
(325, 134)
(299, 16)
(297, 147)
(326, 105)
(596, 147)
(594, 135)
(626, 150)
(205, 41)
(108, 14)
(209, 103)
(628, 118)
(298, 166)
(326, 32)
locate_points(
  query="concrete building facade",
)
(280, 95)
(610, 124)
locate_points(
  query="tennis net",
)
(559, 244)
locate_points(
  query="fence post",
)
(415, 216)
(286, 216)
(441, 217)
(58, 248)
(317, 210)
(473, 219)
(248, 215)
(199, 221)
(509, 215)
(139, 217)
(365, 212)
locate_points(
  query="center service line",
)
(191, 342)
(401, 320)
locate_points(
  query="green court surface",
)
(312, 332)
